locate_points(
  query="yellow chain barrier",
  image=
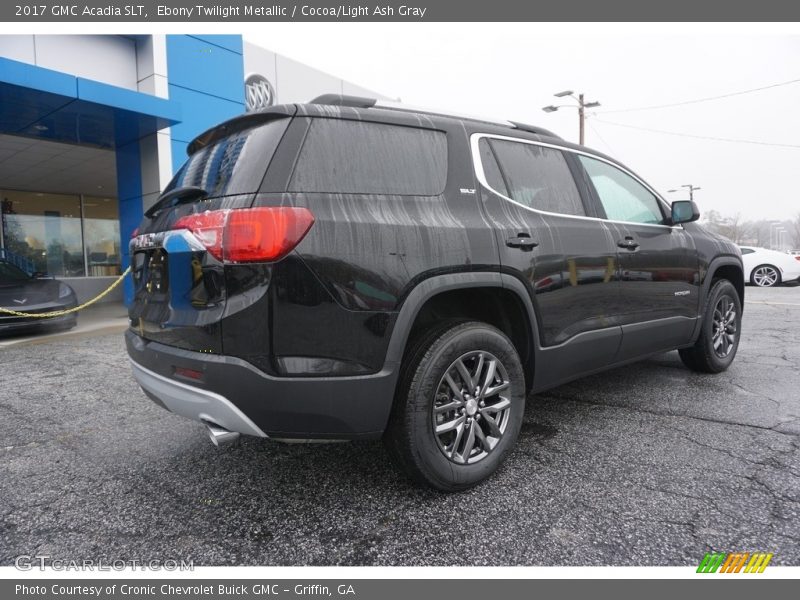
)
(61, 313)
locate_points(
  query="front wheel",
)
(765, 276)
(459, 406)
(716, 347)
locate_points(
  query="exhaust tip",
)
(220, 436)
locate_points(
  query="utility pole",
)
(581, 106)
(691, 188)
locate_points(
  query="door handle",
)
(522, 241)
(629, 243)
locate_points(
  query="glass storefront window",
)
(45, 229)
(62, 235)
(101, 235)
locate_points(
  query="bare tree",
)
(734, 228)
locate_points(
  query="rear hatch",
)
(178, 263)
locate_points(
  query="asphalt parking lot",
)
(644, 465)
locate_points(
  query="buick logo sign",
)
(258, 92)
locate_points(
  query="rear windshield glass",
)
(355, 157)
(233, 165)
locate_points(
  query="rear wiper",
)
(180, 195)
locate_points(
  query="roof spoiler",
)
(345, 100)
(238, 123)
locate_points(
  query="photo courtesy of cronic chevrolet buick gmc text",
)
(347, 270)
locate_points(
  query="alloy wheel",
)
(765, 276)
(472, 407)
(724, 327)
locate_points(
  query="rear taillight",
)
(262, 234)
(797, 257)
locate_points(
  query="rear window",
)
(234, 164)
(355, 157)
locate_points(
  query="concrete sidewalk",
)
(105, 317)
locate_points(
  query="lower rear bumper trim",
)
(194, 403)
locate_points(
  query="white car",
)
(766, 268)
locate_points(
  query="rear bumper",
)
(237, 396)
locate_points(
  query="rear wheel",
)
(765, 276)
(459, 406)
(716, 347)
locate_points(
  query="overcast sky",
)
(512, 71)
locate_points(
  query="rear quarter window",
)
(357, 157)
(538, 177)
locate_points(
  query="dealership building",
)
(92, 127)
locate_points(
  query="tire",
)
(447, 461)
(713, 353)
(765, 276)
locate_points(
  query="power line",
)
(600, 137)
(707, 99)
(699, 137)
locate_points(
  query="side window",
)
(359, 157)
(622, 197)
(490, 168)
(538, 177)
(747, 250)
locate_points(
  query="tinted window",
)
(234, 164)
(538, 177)
(747, 250)
(355, 157)
(622, 197)
(490, 169)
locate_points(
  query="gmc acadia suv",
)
(342, 270)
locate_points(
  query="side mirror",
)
(684, 211)
(41, 275)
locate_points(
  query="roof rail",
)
(361, 102)
(534, 129)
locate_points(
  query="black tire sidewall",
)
(435, 467)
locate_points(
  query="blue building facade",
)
(92, 127)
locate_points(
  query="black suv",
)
(345, 270)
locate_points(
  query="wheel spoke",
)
(448, 407)
(491, 370)
(466, 377)
(456, 389)
(487, 447)
(496, 389)
(469, 443)
(503, 404)
(457, 441)
(476, 378)
(494, 429)
(449, 425)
